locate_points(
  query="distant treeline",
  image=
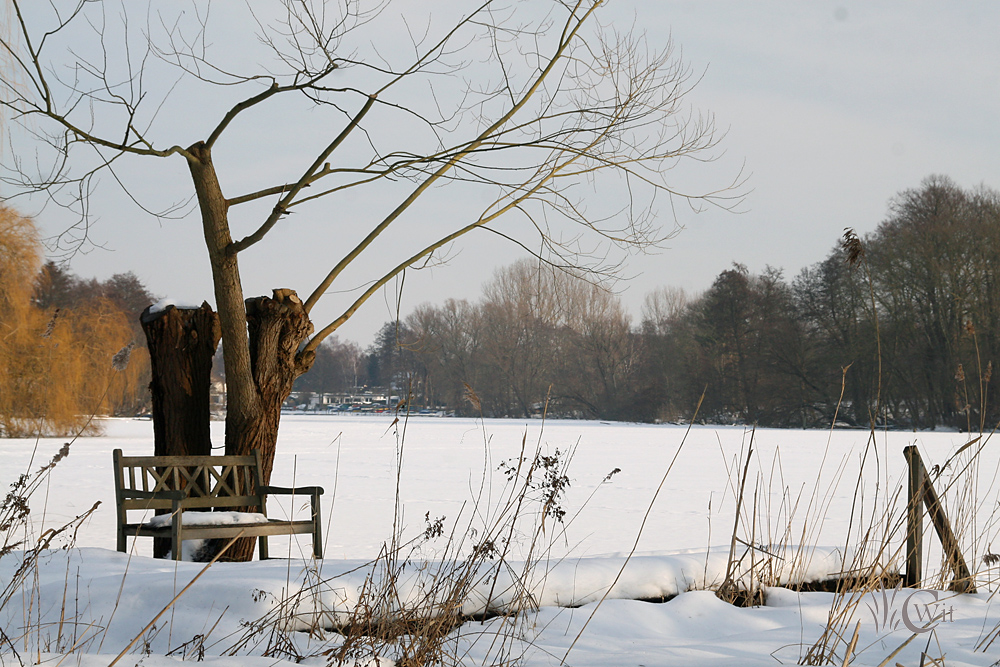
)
(59, 335)
(904, 321)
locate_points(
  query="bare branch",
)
(315, 171)
(570, 31)
(483, 220)
(535, 105)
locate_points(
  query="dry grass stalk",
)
(850, 647)
(418, 593)
(18, 540)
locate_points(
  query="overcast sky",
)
(833, 107)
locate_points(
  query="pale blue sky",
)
(832, 106)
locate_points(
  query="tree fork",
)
(277, 327)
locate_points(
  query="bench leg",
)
(176, 551)
(317, 528)
(262, 547)
(176, 533)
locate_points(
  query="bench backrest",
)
(209, 481)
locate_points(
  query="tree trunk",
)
(241, 395)
(277, 328)
(257, 381)
(181, 345)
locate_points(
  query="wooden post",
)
(921, 493)
(318, 532)
(914, 518)
(963, 581)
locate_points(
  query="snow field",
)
(449, 469)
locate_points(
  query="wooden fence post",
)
(921, 493)
(914, 518)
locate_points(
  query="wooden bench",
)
(202, 483)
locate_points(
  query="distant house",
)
(356, 401)
(217, 398)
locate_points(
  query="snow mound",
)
(163, 304)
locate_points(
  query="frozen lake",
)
(799, 478)
(805, 486)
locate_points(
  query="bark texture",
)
(262, 336)
(181, 345)
(277, 328)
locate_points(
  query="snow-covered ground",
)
(805, 486)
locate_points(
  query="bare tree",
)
(520, 309)
(339, 366)
(529, 106)
(600, 352)
(663, 307)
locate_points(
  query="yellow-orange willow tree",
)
(57, 366)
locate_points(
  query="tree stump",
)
(277, 327)
(182, 343)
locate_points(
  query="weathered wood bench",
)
(202, 483)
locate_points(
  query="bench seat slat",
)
(272, 527)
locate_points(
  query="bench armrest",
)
(285, 490)
(154, 495)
